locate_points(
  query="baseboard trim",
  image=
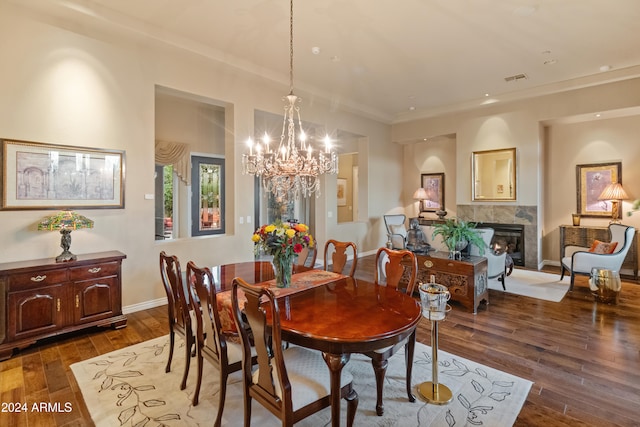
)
(144, 305)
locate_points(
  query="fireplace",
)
(509, 238)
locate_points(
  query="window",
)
(164, 196)
(207, 195)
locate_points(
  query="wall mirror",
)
(494, 175)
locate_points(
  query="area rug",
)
(129, 387)
(534, 284)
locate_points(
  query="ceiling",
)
(392, 60)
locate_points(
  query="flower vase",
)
(282, 268)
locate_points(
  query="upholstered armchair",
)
(396, 230)
(580, 260)
(496, 262)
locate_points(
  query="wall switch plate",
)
(241, 220)
(148, 196)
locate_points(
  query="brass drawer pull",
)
(77, 301)
(428, 263)
(95, 270)
(38, 278)
(58, 304)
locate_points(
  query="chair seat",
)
(308, 374)
(386, 349)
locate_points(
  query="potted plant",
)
(457, 234)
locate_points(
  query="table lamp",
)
(65, 221)
(420, 195)
(615, 193)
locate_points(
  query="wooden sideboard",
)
(571, 235)
(43, 298)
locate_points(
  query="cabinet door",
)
(36, 312)
(95, 299)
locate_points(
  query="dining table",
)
(330, 312)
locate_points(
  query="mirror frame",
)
(510, 194)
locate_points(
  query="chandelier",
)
(293, 169)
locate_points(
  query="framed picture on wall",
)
(342, 192)
(433, 184)
(591, 180)
(48, 176)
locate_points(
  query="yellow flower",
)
(310, 241)
(290, 232)
(255, 238)
(269, 228)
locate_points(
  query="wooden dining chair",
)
(291, 383)
(179, 311)
(211, 341)
(338, 252)
(307, 257)
(390, 271)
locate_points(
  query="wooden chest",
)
(466, 279)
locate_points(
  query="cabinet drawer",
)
(37, 279)
(92, 271)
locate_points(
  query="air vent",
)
(515, 78)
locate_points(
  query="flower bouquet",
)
(284, 241)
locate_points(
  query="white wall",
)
(75, 85)
(596, 141)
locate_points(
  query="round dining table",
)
(340, 317)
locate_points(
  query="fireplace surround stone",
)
(508, 214)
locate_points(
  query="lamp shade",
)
(65, 222)
(65, 219)
(613, 191)
(420, 194)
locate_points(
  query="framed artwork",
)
(433, 183)
(591, 180)
(342, 192)
(48, 176)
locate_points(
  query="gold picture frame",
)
(48, 176)
(591, 180)
(433, 184)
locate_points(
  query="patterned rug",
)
(534, 284)
(129, 387)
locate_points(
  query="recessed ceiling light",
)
(486, 94)
(605, 68)
(315, 50)
(597, 114)
(412, 108)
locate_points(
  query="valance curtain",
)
(176, 154)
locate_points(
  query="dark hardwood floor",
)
(583, 357)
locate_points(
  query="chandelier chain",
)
(291, 50)
(291, 170)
